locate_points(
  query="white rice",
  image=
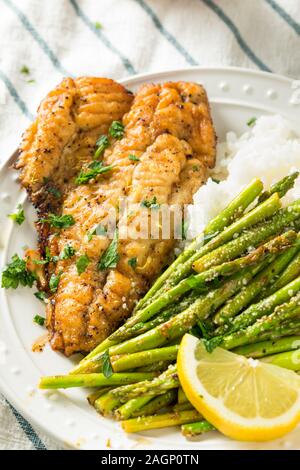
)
(269, 151)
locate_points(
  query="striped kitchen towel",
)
(42, 41)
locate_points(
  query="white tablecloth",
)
(42, 41)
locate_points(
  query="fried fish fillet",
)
(170, 133)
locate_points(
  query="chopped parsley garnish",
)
(110, 257)
(133, 158)
(41, 295)
(47, 258)
(59, 221)
(116, 130)
(82, 263)
(101, 144)
(98, 25)
(90, 235)
(67, 252)
(52, 190)
(195, 167)
(30, 81)
(132, 262)
(152, 204)
(54, 281)
(106, 365)
(94, 169)
(211, 344)
(16, 273)
(39, 320)
(18, 216)
(25, 70)
(215, 180)
(99, 230)
(206, 330)
(251, 122)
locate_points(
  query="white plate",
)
(235, 96)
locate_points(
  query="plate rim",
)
(7, 390)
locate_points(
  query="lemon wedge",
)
(243, 398)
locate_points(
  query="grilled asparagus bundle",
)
(237, 285)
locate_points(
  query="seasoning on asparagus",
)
(196, 429)
(276, 245)
(289, 274)
(160, 421)
(264, 307)
(243, 298)
(106, 404)
(166, 381)
(282, 313)
(156, 404)
(269, 347)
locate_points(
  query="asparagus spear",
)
(93, 380)
(289, 274)
(288, 360)
(92, 397)
(182, 398)
(250, 292)
(127, 409)
(121, 362)
(143, 406)
(131, 361)
(282, 313)
(106, 404)
(166, 381)
(276, 245)
(266, 348)
(196, 429)
(289, 328)
(93, 357)
(258, 310)
(157, 367)
(160, 421)
(251, 238)
(183, 406)
(156, 404)
(234, 209)
(281, 187)
(142, 327)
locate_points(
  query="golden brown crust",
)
(169, 129)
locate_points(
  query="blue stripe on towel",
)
(37, 37)
(290, 21)
(243, 45)
(169, 37)
(13, 92)
(28, 430)
(126, 62)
